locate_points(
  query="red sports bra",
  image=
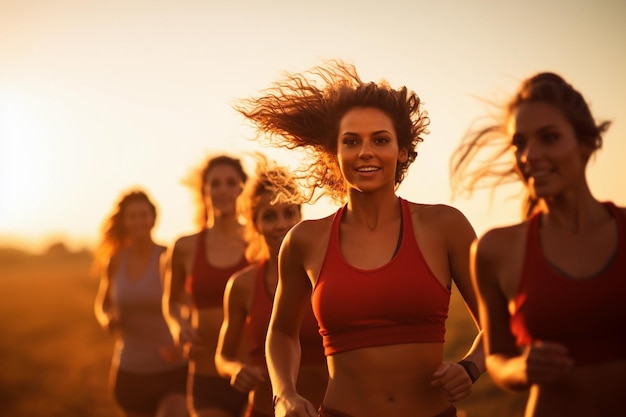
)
(257, 322)
(206, 283)
(588, 316)
(400, 302)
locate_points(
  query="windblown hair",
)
(304, 111)
(198, 178)
(113, 231)
(483, 158)
(274, 181)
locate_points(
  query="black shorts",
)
(216, 392)
(142, 393)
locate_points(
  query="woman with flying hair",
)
(379, 271)
(551, 288)
(249, 296)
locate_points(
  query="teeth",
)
(368, 169)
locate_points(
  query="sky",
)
(100, 97)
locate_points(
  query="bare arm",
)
(456, 379)
(462, 235)
(243, 377)
(175, 301)
(283, 343)
(503, 359)
(509, 366)
(104, 308)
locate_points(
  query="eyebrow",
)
(373, 133)
(541, 129)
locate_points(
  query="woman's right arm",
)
(503, 360)
(510, 367)
(243, 377)
(104, 309)
(283, 343)
(175, 304)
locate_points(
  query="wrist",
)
(471, 368)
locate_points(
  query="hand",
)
(294, 406)
(546, 362)
(171, 353)
(197, 350)
(187, 334)
(113, 323)
(248, 377)
(453, 380)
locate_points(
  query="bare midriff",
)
(390, 380)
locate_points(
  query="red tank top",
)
(587, 316)
(206, 283)
(400, 302)
(257, 322)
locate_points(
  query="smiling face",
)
(139, 218)
(367, 149)
(273, 221)
(222, 186)
(548, 156)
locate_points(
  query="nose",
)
(529, 152)
(283, 223)
(366, 150)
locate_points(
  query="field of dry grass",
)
(54, 359)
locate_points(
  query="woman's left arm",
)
(456, 379)
(461, 236)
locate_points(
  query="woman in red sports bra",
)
(378, 271)
(551, 288)
(198, 268)
(249, 297)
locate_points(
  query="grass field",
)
(54, 359)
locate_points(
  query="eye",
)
(232, 182)
(347, 141)
(268, 216)
(550, 137)
(291, 213)
(381, 140)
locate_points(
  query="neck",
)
(574, 213)
(141, 246)
(372, 210)
(226, 224)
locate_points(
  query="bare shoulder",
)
(444, 219)
(186, 244)
(243, 280)
(437, 212)
(499, 240)
(113, 265)
(308, 231)
(161, 249)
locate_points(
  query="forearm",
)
(283, 361)
(507, 372)
(476, 353)
(226, 366)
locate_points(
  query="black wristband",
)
(472, 370)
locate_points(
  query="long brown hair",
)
(482, 160)
(304, 111)
(198, 178)
(113, 234)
